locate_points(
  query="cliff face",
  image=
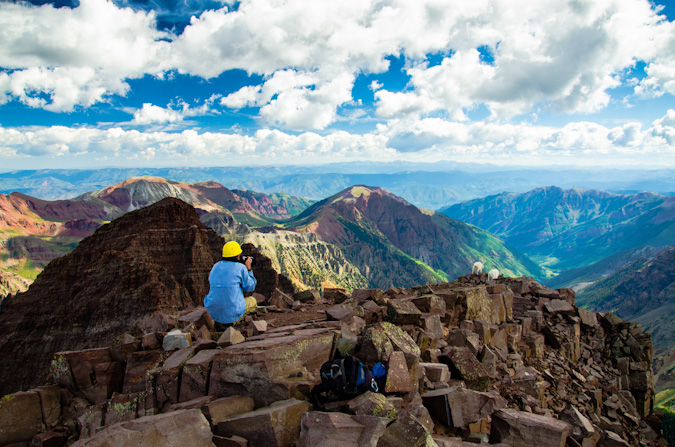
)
(156, 258)
(307, 260)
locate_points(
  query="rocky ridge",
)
(506, 362)
(156, 258)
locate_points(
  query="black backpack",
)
(342, 379)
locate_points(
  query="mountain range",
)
(566, 229)
(360, 237)
(426, 185)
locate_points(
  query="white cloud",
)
(583, 143)
(562, 56)
(152, 114)
(63, 58)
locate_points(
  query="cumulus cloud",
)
(58, 59)
(562, 56)
(152, 114)
(401, 139)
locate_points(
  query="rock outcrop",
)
(154, 259)
(506, 362)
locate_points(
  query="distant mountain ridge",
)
(564, 229)
(417, 246)
(34, 231)
(360, 237)
(426, 185)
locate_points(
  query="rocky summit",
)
(154, 259)
(504, 362)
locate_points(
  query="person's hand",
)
(247, 263)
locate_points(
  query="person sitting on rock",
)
(228, 281)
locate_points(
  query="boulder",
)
(272, 368)
(398, 376)
(459, 407)
(372, 404)
(521, 429)
(199, 317)
(436, 372)
(230, 337)
(135, 375)
(406, 430)
(308, 296)
(277, 425)
(563, 307)
(176, 340)
(329, 430)
(50, 401)
(403, 311)
(89, 373)
(375, 346)
(195, 375)
(174, 429)
(465, 366)
(218, 410)
(20, 417)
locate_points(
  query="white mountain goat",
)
(477, 268)
(493, 274)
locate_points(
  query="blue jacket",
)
(228, 281)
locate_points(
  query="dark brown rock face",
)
(156, 258)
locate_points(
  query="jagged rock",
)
(50, 401)
(398, 376)
(230, 337)
(582, 428)
(155, 258)
(224, 408)
(347, 342)
(431, 304)
(611, 439)
(178, 428)
(372, 404)
(195, 374)
(375, 346)
(406, 430)
(522, 429)
(559, 307)
(464, 365)
(588, 319)
(308, 296)
(258, 326)
(89, 373)
(436, 372)
(335, 295)
(403, 312)
(476, 302)
(20, 417)
(458, 407)
(199, 317)
(277, 425)
(176, 340)
(167, 377)
(123, 408)
(141, 362)
(329, 430)
(271, 369)
(361, 295)
(339, 312)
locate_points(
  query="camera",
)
(244, 258)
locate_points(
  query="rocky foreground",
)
(506, 362)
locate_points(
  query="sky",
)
(156, 83)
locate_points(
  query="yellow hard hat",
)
(231, 249)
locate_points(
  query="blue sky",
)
(100, 83)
